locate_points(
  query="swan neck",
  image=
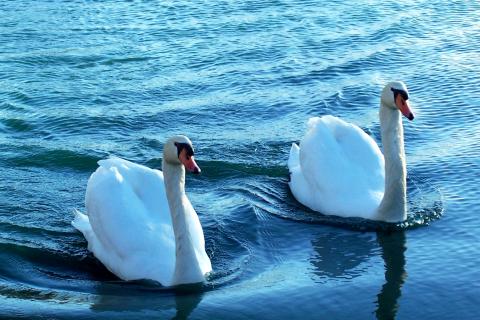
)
(393, 206)
(174, 176)
(187, 268)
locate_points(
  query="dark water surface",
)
(81, 80)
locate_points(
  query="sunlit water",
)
(81, 80)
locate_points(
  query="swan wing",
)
(340, 169)
(130, 221)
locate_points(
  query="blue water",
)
(81, 80)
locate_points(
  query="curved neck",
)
(187, 268)
(393, 207)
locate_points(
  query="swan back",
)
(340, 169)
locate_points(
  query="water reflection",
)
(393, 254)
(185, 304)
(338, 254)
(134, 296)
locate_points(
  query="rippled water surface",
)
(82, 80)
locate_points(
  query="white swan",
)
(140, 223)
(339, 169)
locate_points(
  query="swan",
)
(140, 223)
(339, 170)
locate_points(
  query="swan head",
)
(395, 96)
(178, 150)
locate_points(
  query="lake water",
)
(82, 80)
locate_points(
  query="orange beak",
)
(192, 166)
(404, 107)
(189, 163)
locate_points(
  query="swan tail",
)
(294, 158)
(81, 222)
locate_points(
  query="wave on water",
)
(57, 158)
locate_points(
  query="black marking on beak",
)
(401, 92)
(181, 145)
